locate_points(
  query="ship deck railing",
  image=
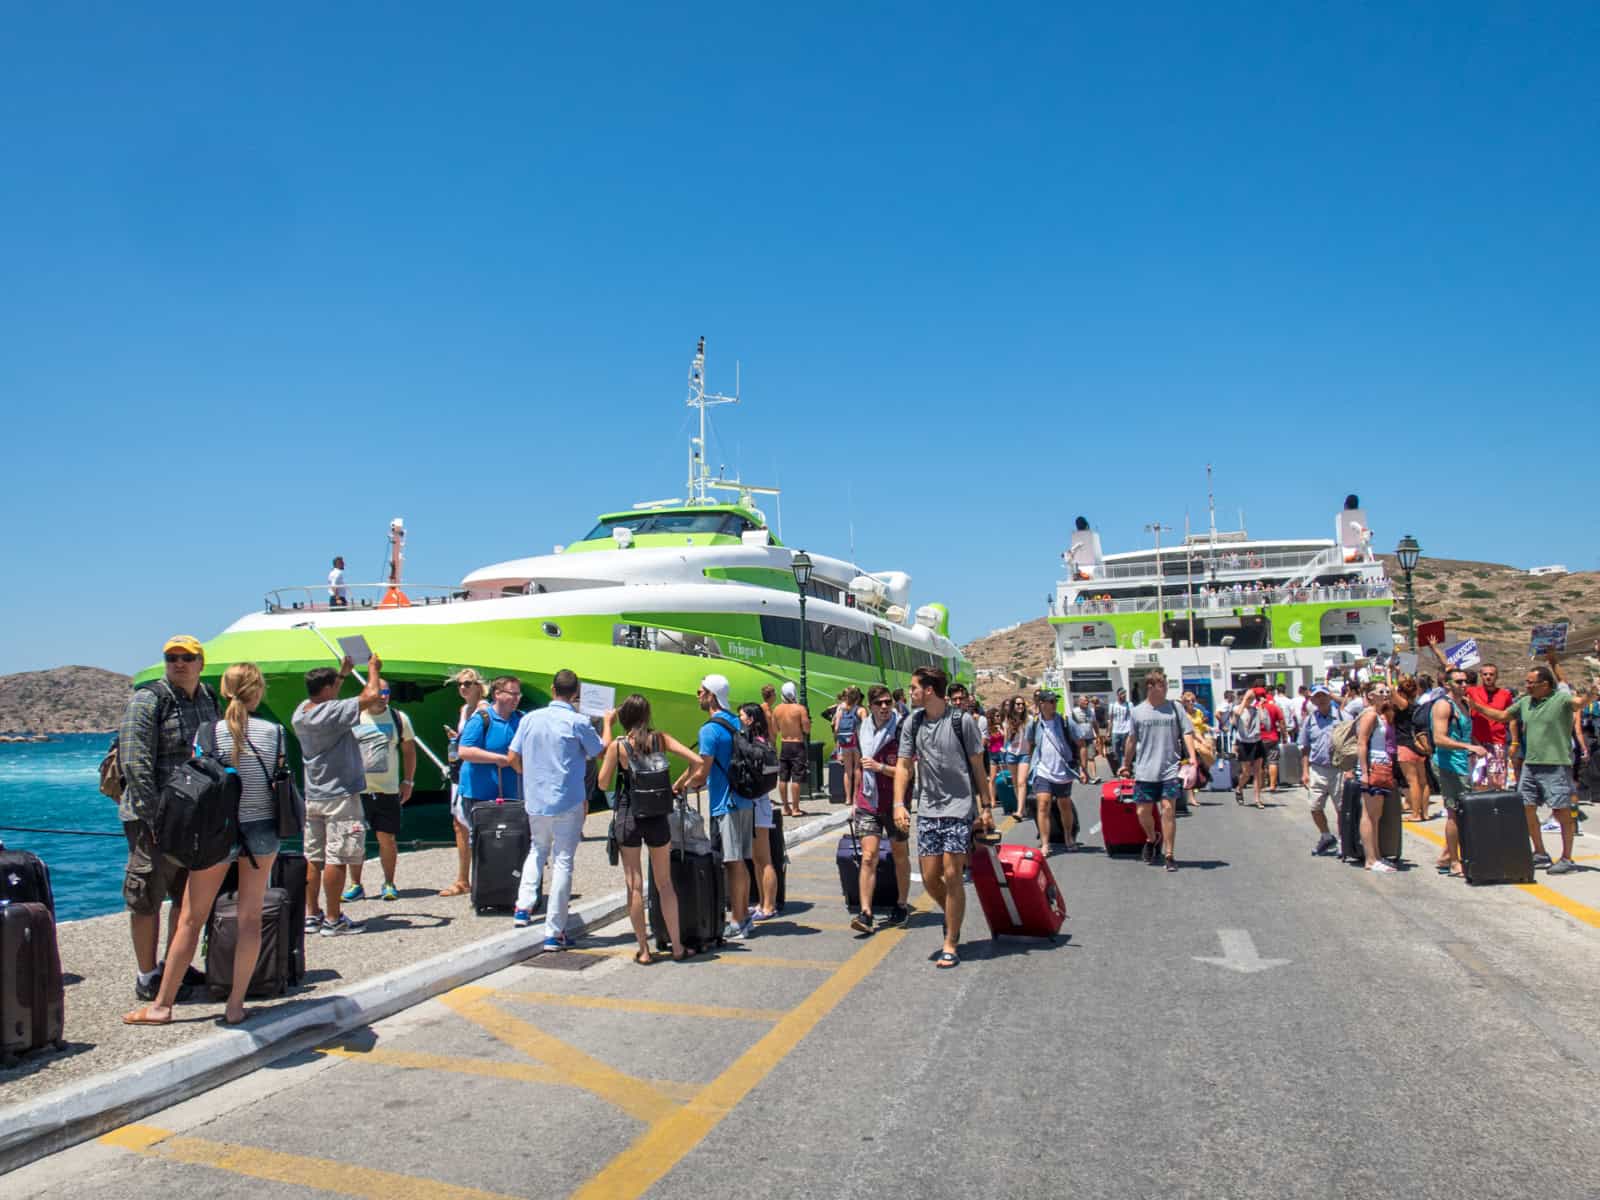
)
(1224, 562)
(1229, 599)
(316, 597)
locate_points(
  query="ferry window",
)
(673, 522)
(667, 641)
(781, 631)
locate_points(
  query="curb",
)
(79, 1111)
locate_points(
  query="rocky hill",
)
(1496, 604)
(63, 700)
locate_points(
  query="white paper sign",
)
(358, 650)
(596, 699)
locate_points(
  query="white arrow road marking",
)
(1095, 830)
(1239, 953)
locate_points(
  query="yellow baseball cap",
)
(184, 643)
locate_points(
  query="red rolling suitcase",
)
(1119, 818)
(1017, 891)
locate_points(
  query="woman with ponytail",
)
(254, 748)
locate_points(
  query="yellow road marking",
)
(1539, 891)
(659, 1007)
(659, 1148)
(316, 1174)
(486, 1067)
(727, 958)
(818, 897)
(632, 1095)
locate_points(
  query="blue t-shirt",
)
(716, 743)
(485, 781)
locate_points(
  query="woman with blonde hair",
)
(254, 748)
(470, 686)
(640, 755)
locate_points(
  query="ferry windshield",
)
(674, 522)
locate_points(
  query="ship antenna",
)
(1211, 505)
(699, 473)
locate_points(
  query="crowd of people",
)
(1415, 736)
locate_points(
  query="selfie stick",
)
(340, 655)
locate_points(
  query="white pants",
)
(556, 837)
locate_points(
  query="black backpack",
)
(918, 717)
(649, 781)
(751, 765)
(197, 821)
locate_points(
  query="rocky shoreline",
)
(42, 705)
(24, 739)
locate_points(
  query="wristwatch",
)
(408, 783)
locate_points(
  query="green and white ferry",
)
(1219, 610)
(649, 600)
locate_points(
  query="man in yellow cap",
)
(156, 737)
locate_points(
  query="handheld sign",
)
(1430, 632)
(1547, 638)
(1463, 654)
(356, 647)
(596, 699)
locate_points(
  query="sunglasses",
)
(383, 692)
(186, 658)
(469, 683)
(883, 704)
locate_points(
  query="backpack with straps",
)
(197, 817)
(1345, 746)
(649, 780)
(112, 781)
(917, 720)
(1069, 749)
(751, 766)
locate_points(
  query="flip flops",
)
(456, 889)
(946, 960)
(141, 1016)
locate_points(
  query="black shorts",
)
(792, 767)
(1250, 751)
(635, 831)
(382, 811)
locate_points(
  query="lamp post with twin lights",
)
(801, 566)
(1408, 551)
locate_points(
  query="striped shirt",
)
(255, 790)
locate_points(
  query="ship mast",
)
(699, 470)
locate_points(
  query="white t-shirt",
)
(336, 588)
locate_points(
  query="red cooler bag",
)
(1017, 891)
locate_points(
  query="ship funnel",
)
(1084, 560)
(1351, 532)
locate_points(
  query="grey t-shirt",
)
(1052, 741)
(1157, 732)
(1247, 724)
(329, 747)
(944, 774)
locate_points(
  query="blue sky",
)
(275, 276)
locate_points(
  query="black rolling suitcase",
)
(780, 861)
(1350, 848)
(1058, 835)
(1494, 838)
(885, 889)
(500, 844)
(289, 872)
(698, 881)
(24, 879)
(835, 781)
(1389, 829)
(273, 963)
(32, 995)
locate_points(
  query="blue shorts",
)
(943, 835)
(1150, 793)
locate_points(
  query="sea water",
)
(56, 785)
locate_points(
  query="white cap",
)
(717, 685)
(789, 692)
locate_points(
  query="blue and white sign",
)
(1463, 654)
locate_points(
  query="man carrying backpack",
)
(389, 752)
(1324, 780)
(156, 738)
(942, 744)
(733, 815)
(1056, 755)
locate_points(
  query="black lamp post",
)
(801, 566)
(1408, 551)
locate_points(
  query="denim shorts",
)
(1149, 793)
(1545, 785)
(260, 838)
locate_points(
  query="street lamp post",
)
(801, 566)
(1408, 551)
(1157, 528)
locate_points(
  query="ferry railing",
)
(1227, 599)
(315, 597)
(1204, 565)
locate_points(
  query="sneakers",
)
(749, 925)
(354, 892)
(1562, 865)
(1382, 867)
(733, 932)
(560, 942)
(1541, 860)
(898, 915)
(761, 914)
(313, 922)
(1148, 854)
(390, 892)
(341, 927)
(862, 921)
(522, 918)
(1326, 844)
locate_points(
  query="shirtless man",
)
(793, 725)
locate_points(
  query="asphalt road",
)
(1418, 1039)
